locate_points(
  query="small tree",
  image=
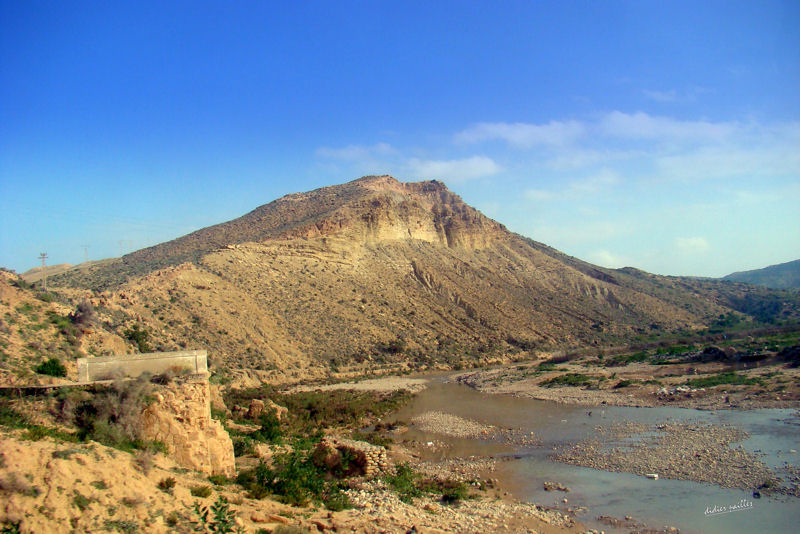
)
(52, 367)
(219, 519)
(139, 336)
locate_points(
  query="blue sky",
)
(662, 135)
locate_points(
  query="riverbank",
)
(593, 382)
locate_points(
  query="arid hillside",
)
(377, 272)
(782, 276)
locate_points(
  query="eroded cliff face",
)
(181, 419)
(390, 211)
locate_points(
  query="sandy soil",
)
(59, 487)
(389, 383)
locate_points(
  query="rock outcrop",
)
(181, 419)
(259, 407)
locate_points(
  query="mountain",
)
(781, 276)
(377, 272)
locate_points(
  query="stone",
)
(256, 409)
(258, 517)
(280, 411)
(217, 402)
(181, 419)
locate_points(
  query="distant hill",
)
(378, 272)
(781, 276)
(37, 273)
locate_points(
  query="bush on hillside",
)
(51, 367)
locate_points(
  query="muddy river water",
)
(690, 506)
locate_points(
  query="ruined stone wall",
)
(371, 459)
(181, 419)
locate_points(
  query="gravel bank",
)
(382, 511)
(701, 453)
(454, 426)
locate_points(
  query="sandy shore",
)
(385, 384)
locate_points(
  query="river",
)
(692, 507)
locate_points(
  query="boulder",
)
(256, 409)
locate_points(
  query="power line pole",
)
(85, 253)
(43, 257)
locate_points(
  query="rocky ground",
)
(479, 515)
(702, 453)
(56, 487)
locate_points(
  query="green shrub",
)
(166, 484)
(546, 366)
(10, 418)
(52, 367)
(126, 527)
(270, 430)
(173, 518)
(404, 483)
(200, 491)
(454, 492)
(728, 377)
(568, 379)
(112, 415)
(242, 445)
(81, 501)
(625, 359)
(295, 479)
(311, 411)
(139, 336)
(219, 480)
(409, 484)
(217, 519)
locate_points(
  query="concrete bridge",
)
(134, 365)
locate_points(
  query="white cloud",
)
(577, 232)
(523, 135)
(605, 258)
(650, 127)
(604, 179)
(672, 96)
(613, 125)
(730, 161)
(454, 170)
(538, 195)
(662, 96)
(579, 158)
(355, 152)
(692, 245)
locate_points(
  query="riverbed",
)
(549, 428)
